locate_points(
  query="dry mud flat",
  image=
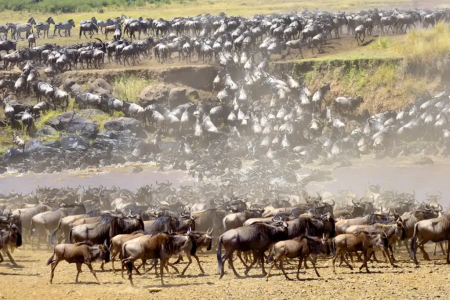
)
(31, 281)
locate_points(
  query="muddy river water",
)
(398, 174)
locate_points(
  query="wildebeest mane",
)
(125, 226)
(164, 224)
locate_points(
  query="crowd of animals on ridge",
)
(157, 223)
(207, 36)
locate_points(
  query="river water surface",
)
(399, 174)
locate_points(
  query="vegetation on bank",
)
(172, 8)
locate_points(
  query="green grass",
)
(129, 87)
(46, 117)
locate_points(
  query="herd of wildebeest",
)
(259, 211)
(159, 222)
(209, 36)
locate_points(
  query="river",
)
(391, 173)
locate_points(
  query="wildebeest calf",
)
(301, 247)
(80, 253)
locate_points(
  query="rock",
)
(54, 144)
(92, 112)
(193, 94)
(44, 154)
(48, 130)
(124, 123)
(137, 169)
(103, 144)
(55, 124)
(177, 96)
(13, 155)
(99, 86)
(33, 145)
(73, 122)
(74, 142)
(154, 94)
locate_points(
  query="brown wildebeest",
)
(161, 246)
(80, 253)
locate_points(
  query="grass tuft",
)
(129, 87)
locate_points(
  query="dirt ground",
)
(31, 281)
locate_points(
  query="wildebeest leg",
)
(300, 260)
(239, 254)
(346, 261)
(230, 262)
(448, 260)
(161, 269)
(392, 253)
(425, 254)
(78, 271)
(271, 267)
(188, 255)
(93, 272)
(282, 268)
(255, 260)
(180, 258)
(405, 242)
(11, 259)
(1, 258)
(313, 261)
(53, 267)
(261, 260)
(391, 260)
(198, 262)
(366, 259)
(113, 257)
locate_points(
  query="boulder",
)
(73, 122)
(154, 94)
(13, 155)
(124, 123)
(53, 144)
(45, 154)
(33, 145)
(99, 86)
(74, 143)
(92, 112)
(48, 130)
(177, 96)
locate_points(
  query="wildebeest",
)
(10, 238)
(435, 230)
(25, 215)
(256, 238)
(80, 253)
(362, 241)
(170, 224)
(161, 246)
(107, 227)
(236, 220)
(301, 247)
(117, 242)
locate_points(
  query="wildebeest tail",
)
(53, 235)
(32, 228)
(270, 257)
(219, 254)
(194, 245)
(124, 256)
(49, 261)
(333, 247)
(414, 241)
(69, 241)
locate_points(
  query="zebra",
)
(4, 30)
(67, 26)
(92, 20)
(19, 28)
(44, 26)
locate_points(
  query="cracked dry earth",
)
(31, 281)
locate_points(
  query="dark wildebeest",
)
(10, 238)
(170, 224)
(256, 238)
(108, 227)
(80, 253)
(161, 246)
(435, 230)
